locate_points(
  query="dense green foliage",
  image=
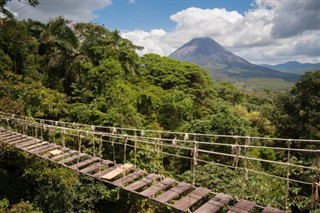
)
(298, 114)
(85, 73)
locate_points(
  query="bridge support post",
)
(288, 177)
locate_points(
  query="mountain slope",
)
(223, 64)
(293, 67)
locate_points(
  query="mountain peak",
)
(198, 47)
(203, 41)
(223, 64)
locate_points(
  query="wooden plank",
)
(8, 136)
(14, 142)
(20, 141)
(49, 148)
(166, 183)
(27, 143)
(66, 154)
(72, 158)
(34, 146)
(215, 204)
(35, 150)
(44, 149)
(12, 138)
(186, 202)
(272, 210)
(173, 193)
(242, 206)
(83, 163)
(143, 182)
(117, 171)
(39, 147)
(130, 177)
(5, 133)
(105, 171)
(56, 152)
(93, 167)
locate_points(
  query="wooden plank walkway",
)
(215, 204)
(173, 192)
(242, 206)
(161, 186)
(186, 202)
(178, 195)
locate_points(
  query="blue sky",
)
(150, 14)
(260, 31)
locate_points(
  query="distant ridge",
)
(222, 63)
(294, 67)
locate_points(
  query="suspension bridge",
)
(112, 154)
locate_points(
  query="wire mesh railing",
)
(282, 173)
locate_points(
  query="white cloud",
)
(75, 10)
(273, 31)
(260, 35)
(132, 1)
(149, 40)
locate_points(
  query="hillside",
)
(294, 67)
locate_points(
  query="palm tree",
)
(59, 43)
(57, 34)
(127, 54)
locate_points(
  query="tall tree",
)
(298, 114)
(59, 45)
(21, 47)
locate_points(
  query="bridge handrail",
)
(237, 146)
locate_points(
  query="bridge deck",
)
(180, 196)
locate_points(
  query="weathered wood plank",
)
(17, 141)
(187, 201)
(119, 170)
(35, 150)
(55, 152)
(6, 134)
(64, 155)
(37, 147)
(242, 206)
(143, 182)
(93, 167)
(28, 142)
(272, 210)
(166, 183)
(105, 171)
(173, 193)
(43, 151)
(12, 138)
(72, 158)
(9, 134)
(214, 204)
(27, 148)
(130, 177)
(84, 163)
(49, 148)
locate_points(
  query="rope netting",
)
(290, 164)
